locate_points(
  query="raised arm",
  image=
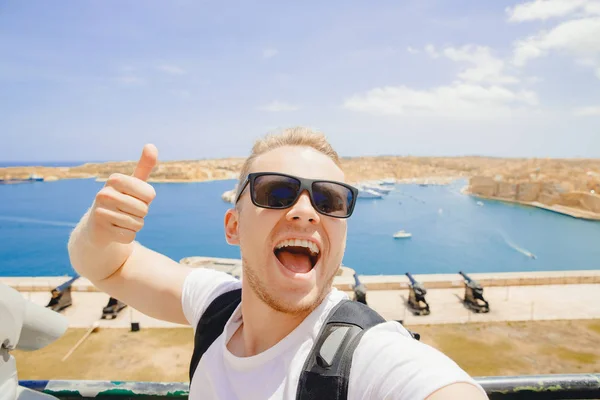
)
(102, 247)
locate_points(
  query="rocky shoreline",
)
(552, 196)
(570, 211)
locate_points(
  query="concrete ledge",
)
(345, 278)
(345, 281)
(449, 281)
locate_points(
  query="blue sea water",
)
(450, 231)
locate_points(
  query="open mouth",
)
(297, 255)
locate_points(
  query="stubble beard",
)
(264, 294)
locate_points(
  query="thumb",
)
(146, 163)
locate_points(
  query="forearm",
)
(92, 260)
(151, 283)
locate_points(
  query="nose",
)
(302, 211)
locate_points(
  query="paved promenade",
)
(511, 303)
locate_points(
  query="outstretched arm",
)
(102, 247)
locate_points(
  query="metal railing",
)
(527, 387)
(538, 387)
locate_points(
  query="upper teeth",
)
(300, 243)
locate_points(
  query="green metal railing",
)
(542, 387)
(531, 387)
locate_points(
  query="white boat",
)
(367, 193)
(479, 203)
(402, 234)
(378, 188)
(229, 196)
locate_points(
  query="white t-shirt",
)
(387, 363)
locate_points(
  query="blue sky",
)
(95, 80)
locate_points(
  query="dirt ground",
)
(504, 348)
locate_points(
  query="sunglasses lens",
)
(332, 199)
(275, 191)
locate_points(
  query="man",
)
(292, 240)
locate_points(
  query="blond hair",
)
(298, 136)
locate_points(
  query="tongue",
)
(295, 262)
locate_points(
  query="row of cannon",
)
(473, 298)
(61, 298)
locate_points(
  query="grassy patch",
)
(112, 354)
(477, 357)
(566, 354)
(595, 326)
(483, 349)
(518, 348)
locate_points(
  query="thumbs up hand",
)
(120, 207)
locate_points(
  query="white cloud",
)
(278, 106)
(546, 9)
(131, 80)
(459, 100)
(477, 93)
(526, 50)
(587, 111)
(412, 50)
(171, 69)
(270, 53)
(430, 49)
(580, 37)
(486, 67)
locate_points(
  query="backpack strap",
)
(212, 323)
(326, 372)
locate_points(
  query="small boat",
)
(480, 204)
(378, 188)
(366, 193)
(30, 178)
(35, 178)
(402, 234)
(229, 196)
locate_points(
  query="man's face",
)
(279, 278)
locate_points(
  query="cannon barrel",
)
(356, 281)
(465, 276)
(360, 291)
(412, 280)
(61, 295)
(61, 288)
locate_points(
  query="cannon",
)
(61, 296)
(360, 291)
(112, 308)
(416, 297)
(473, 299)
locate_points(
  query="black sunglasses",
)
(279, 191)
